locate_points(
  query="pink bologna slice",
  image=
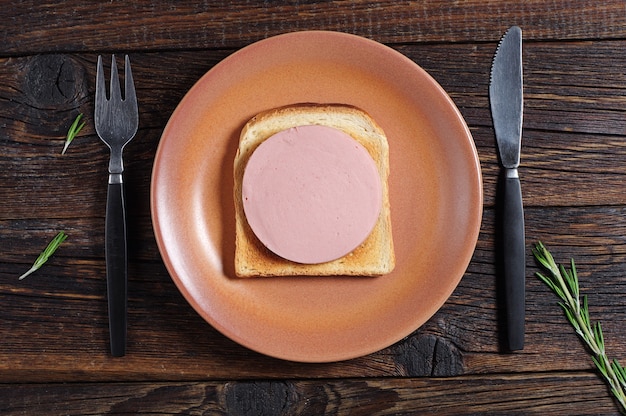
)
(311, 194)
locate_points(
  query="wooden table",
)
(54, 354)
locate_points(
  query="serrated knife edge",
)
(506, 97)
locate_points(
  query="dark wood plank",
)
(559, 394)
(46, 27)
(67, 298)
(573, 135)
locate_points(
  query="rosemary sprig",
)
(564, 283)
(73, 131)
(45, 255)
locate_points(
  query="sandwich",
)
(255, 256)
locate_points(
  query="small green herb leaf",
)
(45, 255)
(75, 128)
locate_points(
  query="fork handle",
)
(116, 264)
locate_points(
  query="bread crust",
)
(375, 256)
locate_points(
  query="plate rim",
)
(160, 239)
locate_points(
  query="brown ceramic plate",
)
(435, 193)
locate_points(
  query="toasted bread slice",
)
(375, 256)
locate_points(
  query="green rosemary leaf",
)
(559, 292)
(545, 279)
(597, 330)
(542, 255)
(572, 282)
(570, 317)
(566, 277)
(600, 366)
(46, 253)
(551, 285)
(575, 277)
(73, 131)
(620, 372)
(585, 312)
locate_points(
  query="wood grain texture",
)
(520, 395)
(68, 297)
(570, 132)
(173, 25)
(53, 325)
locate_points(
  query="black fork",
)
(116, 120)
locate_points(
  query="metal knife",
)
(506, 100)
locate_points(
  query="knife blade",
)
(506, 102)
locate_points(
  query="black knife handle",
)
(514, 260)
(116, 264)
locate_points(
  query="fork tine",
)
(129, 86)
(101, 94)
(116, 93)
